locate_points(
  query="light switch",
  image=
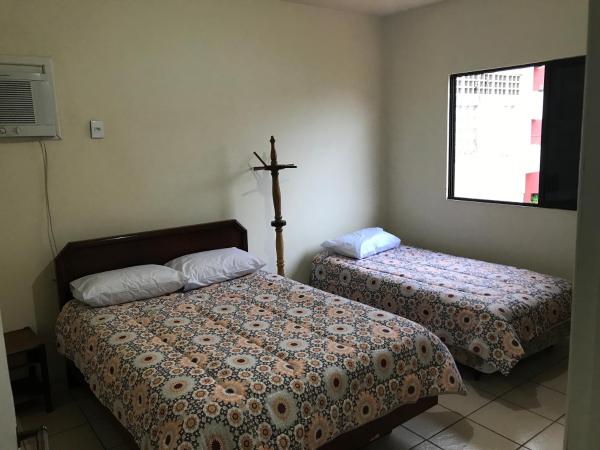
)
(97, 129)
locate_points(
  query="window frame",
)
(452, 133)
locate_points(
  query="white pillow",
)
(205, 268)
(362, 243)
(126, 285)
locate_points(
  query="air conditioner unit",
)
(27, 102)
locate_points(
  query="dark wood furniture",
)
(278, 223)
(82, 258)
(26, 352)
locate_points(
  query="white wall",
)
(583, 415)
(421, 49)
(188, 89)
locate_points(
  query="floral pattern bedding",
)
(485, 313)
(257, 362)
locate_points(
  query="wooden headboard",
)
(82, 258)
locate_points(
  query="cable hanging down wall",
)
(49, 221)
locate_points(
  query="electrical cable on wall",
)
(49, 221)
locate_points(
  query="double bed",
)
(489, 315)
(260, 361)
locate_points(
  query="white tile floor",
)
(523, 411)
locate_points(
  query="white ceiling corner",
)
(376, 7)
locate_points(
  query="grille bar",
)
(16, 102)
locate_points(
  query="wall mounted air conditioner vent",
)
(27, 102)
(16, 102)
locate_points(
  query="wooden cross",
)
(278, 223)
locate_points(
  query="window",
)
(515, 134)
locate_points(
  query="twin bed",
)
(490, 316)
(262, 361)
(255, 362)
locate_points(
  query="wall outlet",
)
(97, 129)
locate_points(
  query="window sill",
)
(507, 203)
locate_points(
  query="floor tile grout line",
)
(500, 434)
(69, 428)
(500, 396)
(97, 437)
(533, 377)
(513, 386)
(551, 388)
(494, 394)
(527, 409)
(495, 397)
(532, 380)
(475, 410)
(66, 430)
(557, 420)
(433, 443)
(481, 407)
(89, 424)
(446, 427)
(538, 434)
(422, 442)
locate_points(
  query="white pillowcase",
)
(362, 243)
(126, 285)
(206, 268)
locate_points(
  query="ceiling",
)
(378, 7)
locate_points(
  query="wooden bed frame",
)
(81, 258)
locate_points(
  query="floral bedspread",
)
(257, 362)
(485, 313)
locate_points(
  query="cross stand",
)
(278, 223)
